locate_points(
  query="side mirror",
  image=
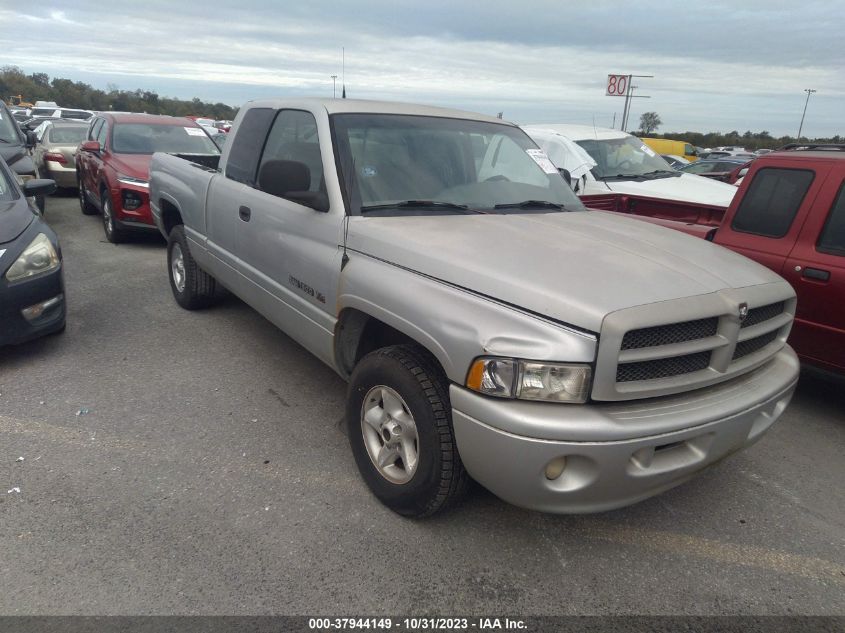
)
(566, 175)
(31, 139)
(91, 146)
(38, 187)
(316, 200)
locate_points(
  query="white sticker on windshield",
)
(542, 160)
(195, 131)
(648, 150)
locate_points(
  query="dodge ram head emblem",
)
(743, 312)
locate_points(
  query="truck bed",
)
(676, 211)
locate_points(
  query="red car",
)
(789, 215)
(113, 166)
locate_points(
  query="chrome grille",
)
(642, 355)
(763, 313)
(663, 368)
(672, 333)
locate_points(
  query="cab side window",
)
(291, 161)
(246, 146)
(772, 200)
(832, 238)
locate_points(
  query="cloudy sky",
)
(717, 65)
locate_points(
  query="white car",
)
(624, 164)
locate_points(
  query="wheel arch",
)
(358, 332)
(171, 215)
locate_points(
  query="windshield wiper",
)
(419, 204)
(530, 204)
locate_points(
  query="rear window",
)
(772, 201)
(832, 238)
(146, 138)
(68, 135)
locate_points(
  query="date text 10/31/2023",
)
(417, 624)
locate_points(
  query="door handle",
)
(815, 273)
(244, 213)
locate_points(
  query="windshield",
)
(626, 156)
(146, 138)
(442, 165)
(8, 128)
(69, 135)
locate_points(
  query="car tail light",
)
(55, 156)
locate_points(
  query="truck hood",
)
(573, 267)
(134, 165)
(687, 187)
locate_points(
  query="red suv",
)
(113, 166)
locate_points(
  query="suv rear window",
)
(832, 238)
(772, 201)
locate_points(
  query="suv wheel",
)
(114, 233)
(192, 287)
(84, 205)
(400, 430)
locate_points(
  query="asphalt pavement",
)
(195, 463)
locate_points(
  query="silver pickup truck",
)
(489, 325)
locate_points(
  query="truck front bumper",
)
(614, 454)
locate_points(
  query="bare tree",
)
(649, 122)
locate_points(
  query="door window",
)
(246, 146)
(832, 238)
(95, 128)
(292, 160)
(102, 134)
(772, 201)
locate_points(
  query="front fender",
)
(453, 323)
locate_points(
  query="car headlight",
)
(39, 257)
(530, 380)
(130, 180)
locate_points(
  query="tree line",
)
(650, 121)
(77, 94)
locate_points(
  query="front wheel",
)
(114, 233)
(400, 430)
(192, 287)
(84, 205)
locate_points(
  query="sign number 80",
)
(617, 85)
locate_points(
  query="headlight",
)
(530, 380)
(129, 180)
(39, 257)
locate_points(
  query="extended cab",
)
(789, 215)
(488, 324)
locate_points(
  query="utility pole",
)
(809, 91)
(626, 111)
(334, 86)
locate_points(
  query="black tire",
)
(114, 233)
(199, 289)
(84, 205)
(41, 203)
(439, 479)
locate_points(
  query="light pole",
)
(334, 86)
(809, 91)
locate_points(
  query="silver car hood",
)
(574, 267)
